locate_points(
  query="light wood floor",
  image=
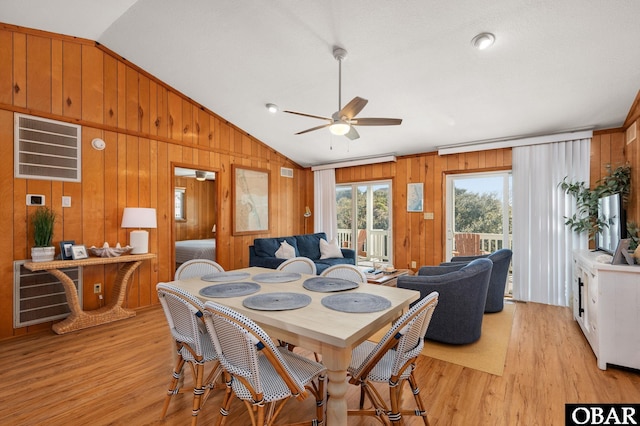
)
(118, 373)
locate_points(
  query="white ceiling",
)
(556, 66)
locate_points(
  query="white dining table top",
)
(313, 323)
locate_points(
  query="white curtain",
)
(542, 243)
(325, 218)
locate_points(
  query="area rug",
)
(487, 354)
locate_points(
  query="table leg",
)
(337, 360)
(113, 311)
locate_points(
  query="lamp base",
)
(139, 240)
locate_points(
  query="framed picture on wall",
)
(415, 197)
(250, 200)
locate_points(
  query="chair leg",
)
(416, 395)
(226, 402)
(198, 391)
(174, 387)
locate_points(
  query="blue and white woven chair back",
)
(239, 342)
(197, 268)
(302, 265)
(345, 272)
(183, 312)
(409, 331)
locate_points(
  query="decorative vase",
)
(43, 254)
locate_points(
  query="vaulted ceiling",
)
(556, 65)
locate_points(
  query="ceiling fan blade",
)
(352, 109)
(377, 121)
(352, 133)
(308, 115)
(314, 128)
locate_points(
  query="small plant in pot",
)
(43, 219)
(633, 233)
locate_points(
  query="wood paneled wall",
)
(200, 209)
(632, 155)
(147, 127)
(415, 238)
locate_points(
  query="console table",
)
(606, 305)
(112, 311)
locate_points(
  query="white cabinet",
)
(606, 304)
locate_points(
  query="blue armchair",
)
(501, 260)
(463, 293)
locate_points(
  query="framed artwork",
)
(79, 252)
(180, 202)
(250, 200)
(65, 249)
(415, 197)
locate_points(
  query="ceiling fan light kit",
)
(201, 175)
(343, 121)
(272, 108)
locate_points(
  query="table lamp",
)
(139, 217)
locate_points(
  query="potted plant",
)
(43, 219)
(633, 233)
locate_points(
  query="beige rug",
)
(487, 354)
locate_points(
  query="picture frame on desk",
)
(621, 255)
(79, 252)
(65, 249)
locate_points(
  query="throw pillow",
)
(329, 249)
(286, 251)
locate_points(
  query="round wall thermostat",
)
(98, 144)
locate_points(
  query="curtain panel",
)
(325, 216)
(542, 244)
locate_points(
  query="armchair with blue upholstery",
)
(501, 260)
(463, 293)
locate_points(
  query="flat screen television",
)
(610, 211)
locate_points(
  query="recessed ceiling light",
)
(272, 108)
(483, 41)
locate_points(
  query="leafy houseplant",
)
(586, 218)
(43, 219)
(633, 232)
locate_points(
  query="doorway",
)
(478, 214)
(364, 220)
(195, 208)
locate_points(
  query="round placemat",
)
(328, 285)
(276, 301)
(276, 277)
(230, 289)
(356, 302)
(225, 276)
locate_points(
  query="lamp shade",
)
(139, 217)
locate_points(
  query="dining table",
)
(333, 320)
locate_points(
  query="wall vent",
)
(286, 172)
(39, 296)
(46, 149)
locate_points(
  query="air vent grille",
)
(286, 172)
(39, 296)
(46, 149)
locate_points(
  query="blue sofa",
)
(262, 252)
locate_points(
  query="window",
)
(180, 201)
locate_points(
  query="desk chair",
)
(194, 347)
(259, 373)
(197, 268)
(392, 361)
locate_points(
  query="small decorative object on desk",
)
(106, 251)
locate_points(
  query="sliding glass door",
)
(364, 220)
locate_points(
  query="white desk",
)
(331, 333)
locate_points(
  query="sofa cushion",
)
(309, 244)
(286, 251)
(329, 249)
(267, 247)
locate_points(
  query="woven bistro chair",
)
(346, 272)
(392, 361)
(194, 347)
(258, 372)
(197, 268)
(302, 265)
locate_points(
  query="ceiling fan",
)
(342, 122)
